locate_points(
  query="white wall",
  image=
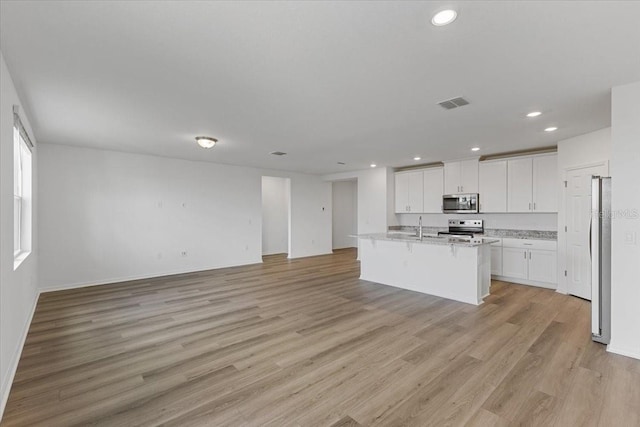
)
(275, 215)
(310, 216)
(524, 221)
(589, 149)
(345, 214)
(109, 216)
(625, 242)
(374, 192)
(18, 289)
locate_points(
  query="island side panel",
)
(447, 271)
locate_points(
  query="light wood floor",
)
(306, 343)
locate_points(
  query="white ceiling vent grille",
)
(278, 153)
(452, 103)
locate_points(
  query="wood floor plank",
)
(304, 342)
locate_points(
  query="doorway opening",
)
(344, 214)
(276, 202)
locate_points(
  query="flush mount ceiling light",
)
(373, 165)
(444, 17)
(475, 149)
(416, 158)
(206, 141)
(534, 114)
(551, 129)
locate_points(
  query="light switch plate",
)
(630, 238)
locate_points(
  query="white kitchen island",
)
(443, 266)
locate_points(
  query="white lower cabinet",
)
(515, 263)
(530, 262)
(496, 260)
(542, 266)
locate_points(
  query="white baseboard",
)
(525, 282)
(138, 277)
(13, 364)
(623, 352)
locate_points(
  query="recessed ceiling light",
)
(417, 158)
(206, 141)
(551, 129)
(475, 149)
(373, 165)
(534, 114)
(444, 17)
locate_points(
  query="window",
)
(22, 200)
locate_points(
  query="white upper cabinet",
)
(461, 177)
(452, 178)
(520, 185)
(402, 192)
(532, 184)
(545, 184)
(433, 190)
(409, 192)
(493, 186)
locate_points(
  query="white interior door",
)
(578, 222)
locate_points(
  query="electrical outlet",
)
(630, 238)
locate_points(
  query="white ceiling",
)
(356, 82)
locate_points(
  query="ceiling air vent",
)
(452, 103)
(278, 153)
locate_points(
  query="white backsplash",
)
(512, 221)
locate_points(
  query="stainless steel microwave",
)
(460, 203)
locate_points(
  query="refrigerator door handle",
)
(590, 237)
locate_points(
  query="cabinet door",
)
(493, 186)
(416, 191)
(515, 262)
(545, 184)
(519, 185)
(496, 260)
(402, 193)
(433, 190)
(452, 178)
(542, 266)
(469, 176)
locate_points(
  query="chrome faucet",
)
(419, 231)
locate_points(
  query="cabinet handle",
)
(529, 205)
(525, 254)
(534, 206)
(529, 254)
(462, 188)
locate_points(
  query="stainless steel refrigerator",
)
(601, 259)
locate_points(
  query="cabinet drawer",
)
(549, 245)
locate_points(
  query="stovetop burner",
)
(464, 227)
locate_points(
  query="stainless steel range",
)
(464, 228)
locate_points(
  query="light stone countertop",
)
(403, 236)
(488, 232)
